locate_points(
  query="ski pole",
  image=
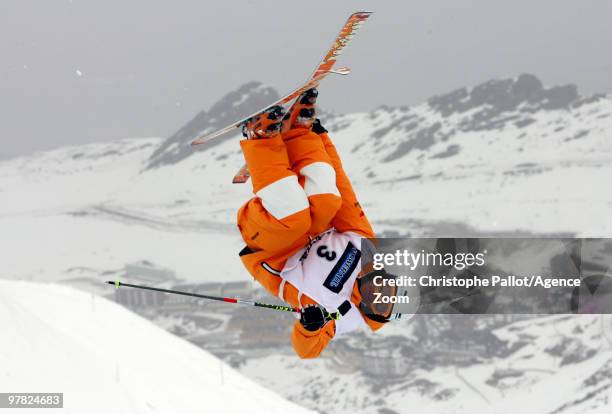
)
(238, 301)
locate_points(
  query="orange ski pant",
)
(300, 190)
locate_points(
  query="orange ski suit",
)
(300, 191)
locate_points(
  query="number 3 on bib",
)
(323, 252)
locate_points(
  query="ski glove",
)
(317, 128)
(313, 317)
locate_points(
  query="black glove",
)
(313, 317)
(317, 128)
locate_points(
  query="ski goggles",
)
(378, 295)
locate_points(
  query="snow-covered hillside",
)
(82, 211)
(106, 359)
(502, 157)
(559, 364)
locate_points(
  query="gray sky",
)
(148, 66)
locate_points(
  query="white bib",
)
(326, 271)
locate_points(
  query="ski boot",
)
(264, 125)
(302, 113)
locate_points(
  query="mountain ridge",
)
(487, 102)
(234, 105)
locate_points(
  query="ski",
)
(289, 97)
(324, 68)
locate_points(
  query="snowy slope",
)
(82, 211)
(105, 359)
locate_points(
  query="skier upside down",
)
(303, 229)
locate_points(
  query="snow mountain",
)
(235, 105)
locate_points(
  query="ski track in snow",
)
(159, 223)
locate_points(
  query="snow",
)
(542, 385)
(91, 206)
(62, 242)
(486, 185)
(106, 359)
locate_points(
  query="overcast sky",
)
(80, 71)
